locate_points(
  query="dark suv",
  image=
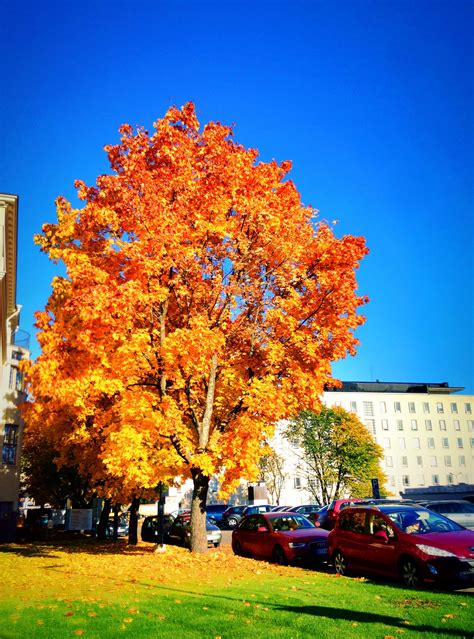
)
(232, 516)
(215, 511)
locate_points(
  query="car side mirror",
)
(262, 529)
(382, 536)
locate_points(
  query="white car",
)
(459, 510)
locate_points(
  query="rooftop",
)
(396, 387)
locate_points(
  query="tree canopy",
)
(202, 303)
(339, 456)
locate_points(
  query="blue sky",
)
(372, 101)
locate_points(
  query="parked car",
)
(457, 509)
(232, 516)
(304, 509)
(216, 511)
(150, 528)
(319, 518)
(334, 509)
(179, 533)
(280, 536)
(399, 541)
(122, 528)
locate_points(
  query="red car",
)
(407, 542)
(334, 509)
(283, 537)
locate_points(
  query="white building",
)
(12, 350)
(425, 430)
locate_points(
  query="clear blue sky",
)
(371, 100)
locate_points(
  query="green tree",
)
(338, 454)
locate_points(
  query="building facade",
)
(14, 346)
(426, 432)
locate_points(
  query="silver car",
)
(459, 510)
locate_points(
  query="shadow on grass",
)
(355, 616)
(333, 613)
(86, 545)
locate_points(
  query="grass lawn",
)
(108, 591)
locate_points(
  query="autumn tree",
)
(338, 454)
(202, 303)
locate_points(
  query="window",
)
(435, 480)
(447, 460)
(384, 424)
(354, 407)
(428, 424)
(450, 478)
(454, 408)
(470, 425)
(17, 355)
(386, 442)
(388, 462)
(10, 441)
(297, 482)
(419, 460)
(404, 461)
(431, 443)
(397, 407)
(383, 407)
(421, 480)
(16, 378)
(414, 424)
(416, 442)
(401, 443)
(445, 442)
(368, 409)
(459, 442)
(406, 480)
(400, 424)
(377, 523)
(442, 424)
(411, 407)
(472, 442)
(462, 460)
(439, 408)
(370, 423)
(426, 407)
(467, 408)
(457, 424)
(433, 462)
(356, 521)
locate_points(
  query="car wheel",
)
(237, 548)
(340, 563)
(279, 556)
(232, 522)
(410, 573)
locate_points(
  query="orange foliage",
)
(203, 302)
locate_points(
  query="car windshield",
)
(421, 521)
(289, 522)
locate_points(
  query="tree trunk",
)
(198, 511)
(133, 522)
(104, 518)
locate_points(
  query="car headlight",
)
(296, 544)
(434, 552)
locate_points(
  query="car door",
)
(381, 554)
(352, 537)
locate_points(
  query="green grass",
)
(109, 591)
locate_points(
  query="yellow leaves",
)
(189, 249)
